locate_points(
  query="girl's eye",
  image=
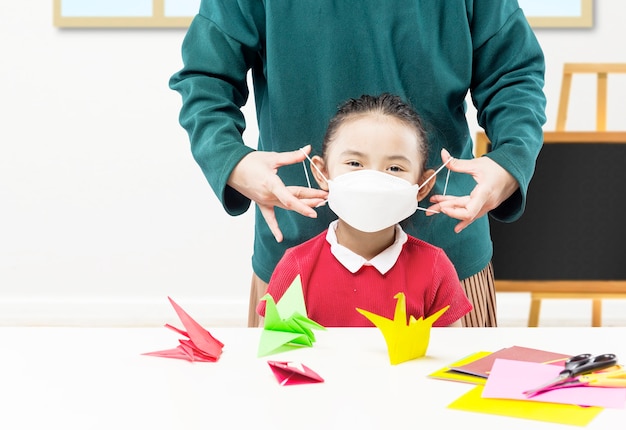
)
(353, 163)
(395, 169)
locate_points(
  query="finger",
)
(459, 213)
(282, 197)
(272, 223)
(467, 212)
(307, 193)
(437, 198)
(291, 157)
(436, 207)
(289, 201)
(456, 164)
(461, 226)
(312, 197)
(314, 203)
(459, 208)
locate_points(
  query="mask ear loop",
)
(306, 173)
(444, 188)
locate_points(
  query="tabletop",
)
(97, 378)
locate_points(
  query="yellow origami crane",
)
(404, 341)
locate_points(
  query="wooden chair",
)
(584, 289)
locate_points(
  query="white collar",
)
(353, 262)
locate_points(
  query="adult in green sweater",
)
(308, 56)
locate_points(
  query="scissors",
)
(576, 370)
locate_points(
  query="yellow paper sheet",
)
(538, 411)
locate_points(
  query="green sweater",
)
(308, 56)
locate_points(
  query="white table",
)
(96, 378)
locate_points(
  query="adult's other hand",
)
(493, 186)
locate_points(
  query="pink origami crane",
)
(200, 345)
(290, 373)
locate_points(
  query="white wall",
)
(103, 212)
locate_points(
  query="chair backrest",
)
(602, 71)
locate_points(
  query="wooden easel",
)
(594, 290)
(602, 71)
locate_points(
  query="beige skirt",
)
(480, 289)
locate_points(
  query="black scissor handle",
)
(576, 360)
(585, 363)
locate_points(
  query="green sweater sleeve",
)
(507, 90)
(220, 47)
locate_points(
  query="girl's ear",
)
(425, 189)
(321, 167)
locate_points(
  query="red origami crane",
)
(200, 345)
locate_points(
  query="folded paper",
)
(405, 341)
(286, 323)
(510, 378)
(448, 373)
(482, 366)
(290, 373)
(200, 345)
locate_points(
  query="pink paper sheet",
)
(510, 378)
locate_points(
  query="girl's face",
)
(377, 142)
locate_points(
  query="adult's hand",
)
(255, 176)
(493, 186)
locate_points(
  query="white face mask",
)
(370, 200)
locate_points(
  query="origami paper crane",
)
(290, 373)
(200, 345)
(286, 324)
(404, 341)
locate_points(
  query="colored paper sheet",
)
(286, 325)
(290, 373)
(451, 375)
(482, 366)
(574, 415)
(200, 345)
(404, 341)
(510, 378)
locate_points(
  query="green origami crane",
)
(286, 324)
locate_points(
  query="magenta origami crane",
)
(200, 345)
(291, 373)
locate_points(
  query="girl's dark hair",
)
(385, 104)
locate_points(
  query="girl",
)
(373, 166)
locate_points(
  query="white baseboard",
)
(232, 312)
(119, 312)
(513, 311)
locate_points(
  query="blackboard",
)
(574, 225)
